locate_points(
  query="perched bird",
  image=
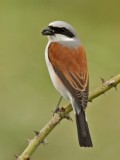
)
(67, 65)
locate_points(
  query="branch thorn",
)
(45, 141)
(27, 158)
(16, 157)
(29, 140)
(37, 133)
(90, 100)
(112, 83)
(103, 80)
(68, 117)
(115, 87)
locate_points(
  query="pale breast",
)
(55, 79)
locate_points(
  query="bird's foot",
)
(68, 117)
(57, 108)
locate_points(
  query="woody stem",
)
(42, 134)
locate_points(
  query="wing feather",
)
(70, 65)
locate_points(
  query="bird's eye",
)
(63, 29)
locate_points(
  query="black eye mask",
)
(63, 31)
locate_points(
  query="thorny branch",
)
(63, 113)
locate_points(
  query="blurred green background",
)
(27, 96)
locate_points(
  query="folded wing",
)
(70, 65)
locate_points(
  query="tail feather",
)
(83, 130)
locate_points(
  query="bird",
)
(66, 61)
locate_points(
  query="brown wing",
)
(70, 65)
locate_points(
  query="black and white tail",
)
(83, 130)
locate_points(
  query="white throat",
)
(60, 37)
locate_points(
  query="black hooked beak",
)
(47, 31)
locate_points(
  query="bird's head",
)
(60, 31)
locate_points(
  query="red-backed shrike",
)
(66, 61)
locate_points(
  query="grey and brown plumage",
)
(67, 65)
